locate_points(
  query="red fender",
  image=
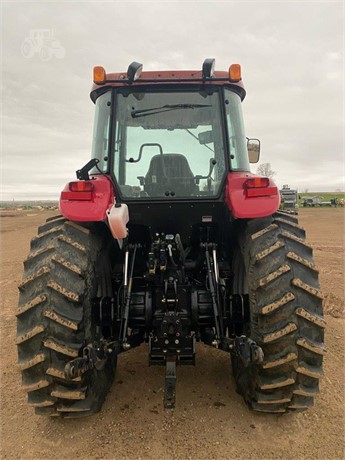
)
(87, 206)
(246, 202)
(242, 201)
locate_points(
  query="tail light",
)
(81, 186)
(259, 186)
(79, 191)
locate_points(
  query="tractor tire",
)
(27, 49)
(286, 316)
(45, 53)
(54, 319)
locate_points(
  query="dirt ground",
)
(210, 420)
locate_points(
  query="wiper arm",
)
(165, 108)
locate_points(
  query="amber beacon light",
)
(99, 75)
(235, 72)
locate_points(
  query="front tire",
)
(55, 320)
(286, 318)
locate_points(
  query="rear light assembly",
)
(259, 186)
(79, 191)
(81, 186)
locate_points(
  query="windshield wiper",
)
(165, 108)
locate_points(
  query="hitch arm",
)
(95, 355)
(247, 350)
(214, 296)
(128, 296)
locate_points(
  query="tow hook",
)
(247, 350)
(94, 356)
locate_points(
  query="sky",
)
(292, 58)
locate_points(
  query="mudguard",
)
(74, 206)
(242, 204)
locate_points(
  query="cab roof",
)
(165, 78)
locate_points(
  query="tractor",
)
(44, 43)
(289, 200)
(166, 239)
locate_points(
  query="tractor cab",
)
(172, 137)
(175, 142)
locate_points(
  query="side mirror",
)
(253, 147)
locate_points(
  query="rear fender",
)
(243, 206)
(93, 208)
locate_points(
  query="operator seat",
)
(170, 173)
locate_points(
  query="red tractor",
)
(166, 238)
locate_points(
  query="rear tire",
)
(54, 319)
(286, 318)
